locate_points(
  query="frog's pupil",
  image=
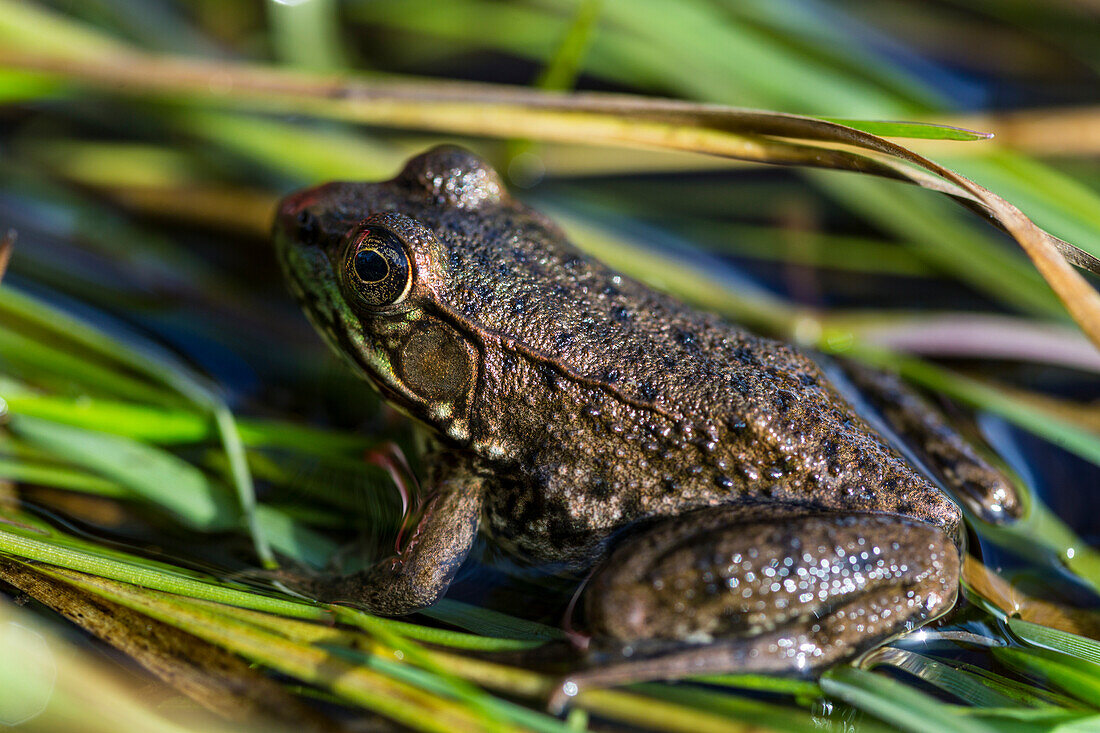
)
(371, 267)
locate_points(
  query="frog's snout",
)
(295, 219)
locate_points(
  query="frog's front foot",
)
(767, 589)
(385, 589)
(420, 574)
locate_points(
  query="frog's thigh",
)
(772, 588)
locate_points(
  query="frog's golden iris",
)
(376, 267)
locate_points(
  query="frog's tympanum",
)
(737, 511)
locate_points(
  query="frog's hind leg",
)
(975, 481)
(768, 589)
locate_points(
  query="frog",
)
(732, 511)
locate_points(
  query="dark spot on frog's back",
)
(648, 391)
(564, 531)
(600, 487)
(687, 339)
(550, 377)
(746, 356)
(784, 401)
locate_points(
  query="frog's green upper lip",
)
(291, 207)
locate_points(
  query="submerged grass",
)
(92, 409)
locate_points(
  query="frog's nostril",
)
(309, 229)
(295, 218)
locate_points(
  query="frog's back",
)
(615, 402)
(599, 401)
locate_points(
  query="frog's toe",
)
(297, 582)
(373, 589)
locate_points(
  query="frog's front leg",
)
(763, 588)
(424, 568)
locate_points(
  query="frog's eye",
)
(377, 266)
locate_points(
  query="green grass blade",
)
(896, 703)
(764, 683)
(1072, 645)
(171, 426)
(310, 153)
(430, 635)
(487, 622)
(566, 61)
(912, 130)
(743, 713)
(1072, 675)
(24, 471)
(150, 473)
(158, 370)
(308, 35)
(138, 572)
(389, 697)
(938, 233)
(970, 688)
(1054, 200)
(34, 359)
(293, 540)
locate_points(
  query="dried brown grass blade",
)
(1014, 602)
(213, 677)
(7, 244)
(592, 118)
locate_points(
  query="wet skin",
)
(737, 511)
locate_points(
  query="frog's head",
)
(370, 265)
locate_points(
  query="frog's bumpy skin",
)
(797, 589)
(572, 404)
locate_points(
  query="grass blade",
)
(913, 130)
(896, 703)
(150, 473)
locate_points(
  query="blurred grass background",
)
(171, 420)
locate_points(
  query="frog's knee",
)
(920, 500)
(945, 514)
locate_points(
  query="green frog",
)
(736, 512)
